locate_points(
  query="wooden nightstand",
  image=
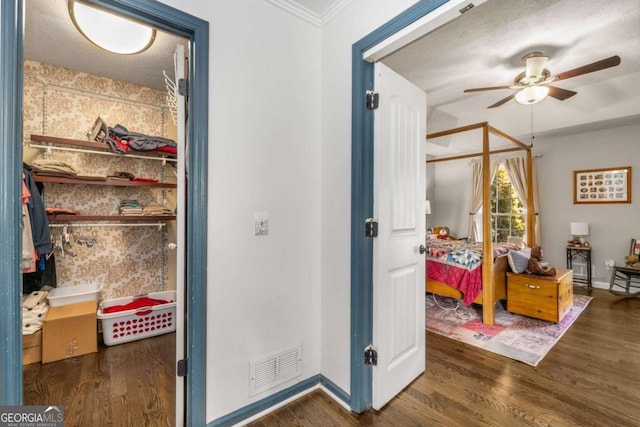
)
(543, 297)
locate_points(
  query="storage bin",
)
(74, 294)
(135, 324)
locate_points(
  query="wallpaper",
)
(124, 260)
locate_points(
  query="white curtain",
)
(517, 169)
(476, 196)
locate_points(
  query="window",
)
(508, 214)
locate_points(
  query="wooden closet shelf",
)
(78, 143)
(120, 218)
(110, 183)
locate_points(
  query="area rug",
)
(517, 337)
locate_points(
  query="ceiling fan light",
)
(532, 95)
(110, 32)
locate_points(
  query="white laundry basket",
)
(74, 294)
(139, 323)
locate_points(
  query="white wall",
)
(452, 189)
(611, 225)
(264, 127)
(357, 20)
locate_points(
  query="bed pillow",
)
(518, 260)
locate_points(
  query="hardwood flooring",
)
(131, 384)
(590, 378)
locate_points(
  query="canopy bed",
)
(492, 274)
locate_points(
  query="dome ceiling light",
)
(110, 32)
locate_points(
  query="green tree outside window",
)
(508, 215)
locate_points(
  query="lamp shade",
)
(532, 94)
(427, 207)
(580, 228)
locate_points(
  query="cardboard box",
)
(32, 348)
(69, 331)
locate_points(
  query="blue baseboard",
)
(241, 414)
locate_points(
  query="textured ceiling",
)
(51, 38)
(485, 46)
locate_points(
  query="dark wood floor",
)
(131, 384)
(590, 378)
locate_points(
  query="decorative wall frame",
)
(606, 185)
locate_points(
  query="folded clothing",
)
(135, 304)
(91, 176)
(53, 168)
(144, 180)
(129, 203)
(131, 211)
(156, 210)
(61, 211)
(34, 310)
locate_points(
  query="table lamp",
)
(579, 229)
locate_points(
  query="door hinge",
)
(370, 356)
(181, 368)
(183, 87)
(370, 228)
(372, 100)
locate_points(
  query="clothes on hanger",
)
(36, 239)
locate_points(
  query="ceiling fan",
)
(533, 83)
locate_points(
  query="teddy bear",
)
(632, 261)
(535, 265)
(443, 234)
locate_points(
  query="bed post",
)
(488, 305)
(531, 229)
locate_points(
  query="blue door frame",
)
(362, 200)
(167, 19)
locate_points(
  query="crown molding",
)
(333, 9)
(304, 13)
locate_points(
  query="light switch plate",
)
(261, 223)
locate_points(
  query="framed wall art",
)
(607, 185)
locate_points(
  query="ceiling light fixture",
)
(110, 32)
(532, 95)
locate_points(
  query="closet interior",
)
(100, 162)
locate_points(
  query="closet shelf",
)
(119, 218)
(110, 183)
(95, 148)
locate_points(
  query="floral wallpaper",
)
(124, 260)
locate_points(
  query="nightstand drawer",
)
(543, 297)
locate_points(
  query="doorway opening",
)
(195, 32)
(400, 31)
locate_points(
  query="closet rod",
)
(88, 93)
(104, 153)
(117, 224)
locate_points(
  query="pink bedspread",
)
(459, 264)
(467, 282)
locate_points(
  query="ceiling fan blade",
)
(480, 89)
(502, 101)
(534, 65)
(589, 68)
(559, 93)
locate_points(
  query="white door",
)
(398, 267)
(181, 239)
